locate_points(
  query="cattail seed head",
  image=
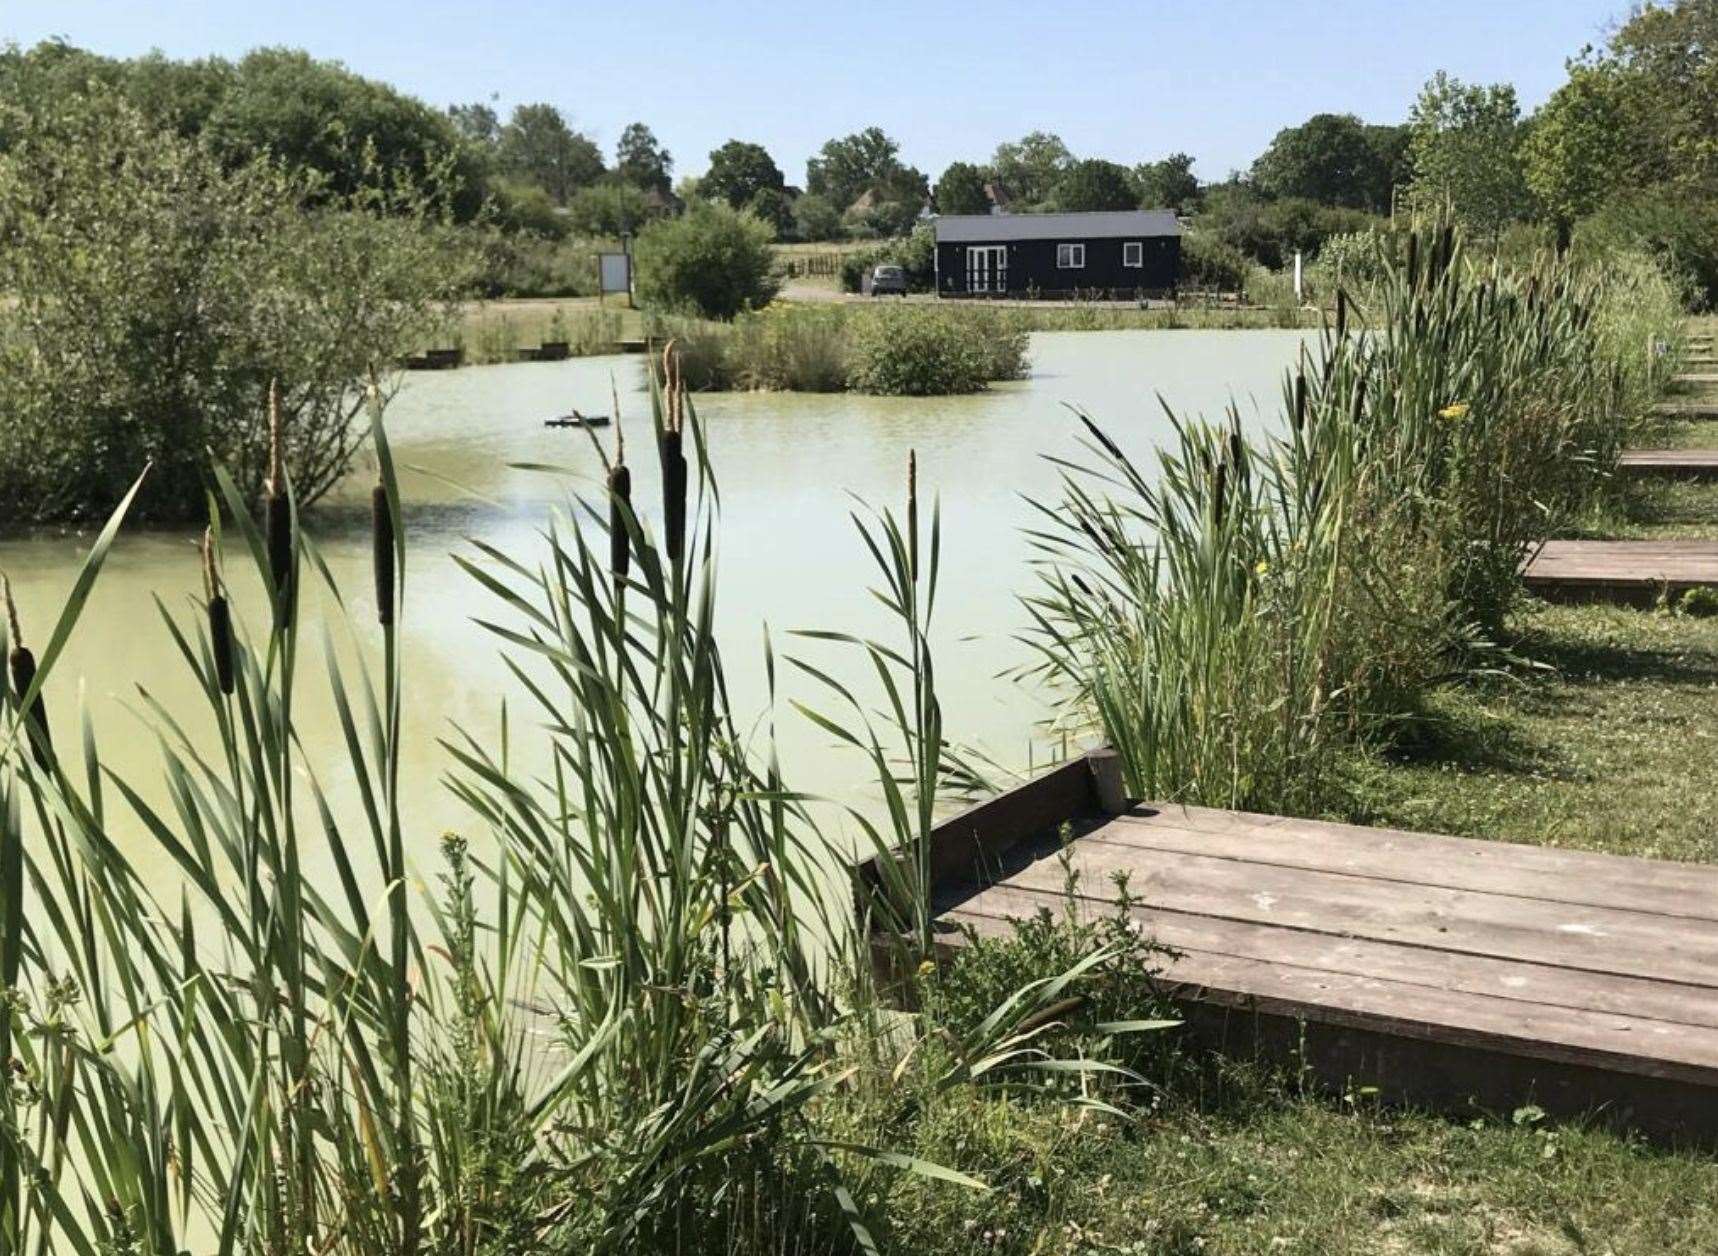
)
(913, 514)
(22, 665)
(1299, 399)
(1341, 316)
(1413, 260)
(220, 617)
(382, 545)
(278, 512)
(620, 498)
(1220, 492)
(672, 451)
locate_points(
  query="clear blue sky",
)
(1215, 78)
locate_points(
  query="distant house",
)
(1121, 255)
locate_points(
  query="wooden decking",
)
(1635, 573)
(1443, 972)
(1686, 410)
(1695, 379)
(1672, 464)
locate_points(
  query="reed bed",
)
(499, 336)
(634, 1011)
(1236, 619)
(896, 350)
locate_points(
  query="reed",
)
(1239, 617)
(631, 1018)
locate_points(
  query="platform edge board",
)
(1426, 1067)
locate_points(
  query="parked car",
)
(887, 281)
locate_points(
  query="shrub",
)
(153, 296)
(1677, 228)
(611, 210)
(916, 351)
(915, 253)
(712, 261)
(524, 264)
(1699, 603)
(1210, 262)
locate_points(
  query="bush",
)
(611, 210)
(1210, 262)
(915, 253)
(1678, 229)
(1271, 232)
(525, 264)
(711, 261)
(153, 296)
(915, 351)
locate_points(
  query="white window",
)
(1070, 256)
(1133, 253)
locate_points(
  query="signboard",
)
(614, 272)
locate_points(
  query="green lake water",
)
(791, 468)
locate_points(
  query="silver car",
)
(888, 281)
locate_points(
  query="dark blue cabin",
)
(1121, 255)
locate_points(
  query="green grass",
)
(1249, 1166)
(1613, 748)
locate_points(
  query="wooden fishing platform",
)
(1671, 464)
(1634, 573)
(1445, 973)
(1693, 379)
(1686, 410)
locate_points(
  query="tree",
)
(845, 169)
(153, 296)
(772, 206)
(1029, 168)
(1574, 152)
(1095, 184)
(712, 261)
(641, 161)
(1465, 152)
(1668, 54)
(1331, 158)
(815, 218)
(738, 172)
(1167, 184)
(607, 209)
(476, 123)
(537, 144)
(319, 116)
(961, 190)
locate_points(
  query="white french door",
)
(987, 268)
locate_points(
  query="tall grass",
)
(634, 1013)
(1237, 617)
(896, 350)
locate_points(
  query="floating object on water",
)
(575, 419)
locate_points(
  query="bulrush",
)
(1300, 398)
(1341, 317)
(220, 616)
(673, 454)
(619, 499)
(23, 667)
(382, 542)
(279, 512)
(913, 514)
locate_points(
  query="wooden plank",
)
(1632, 572)
(1682, 464)
(1571, 877)
(1694, 379)
(1693, 410)
(1196, 936)
(1467, 922)
(968, 844)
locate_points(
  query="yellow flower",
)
(927, 968)
(1261, 568)
(1456, 412)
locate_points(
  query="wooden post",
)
(1107, 783)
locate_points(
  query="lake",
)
(791, 468)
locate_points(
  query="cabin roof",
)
(1131, 224)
